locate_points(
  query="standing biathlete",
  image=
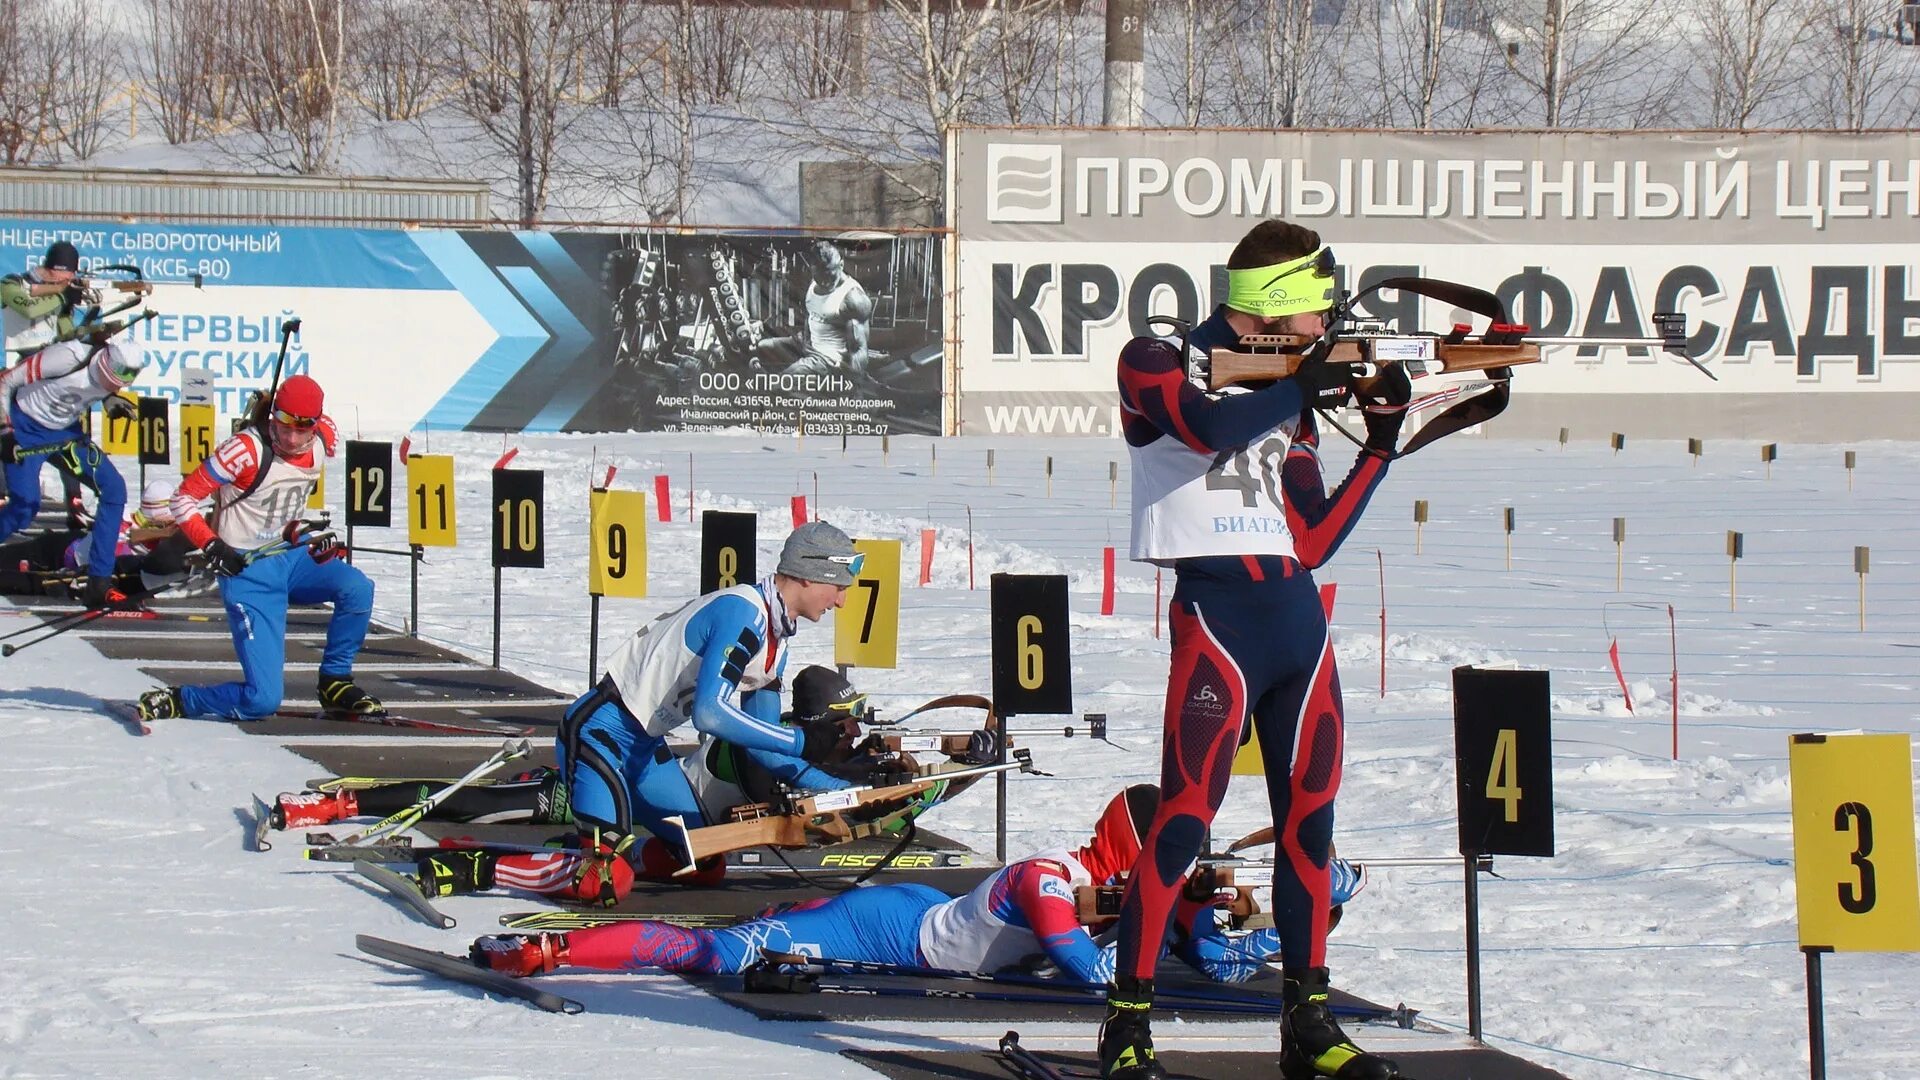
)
(44, 399)
(259, 482)
(1227, 491)
(716, 663)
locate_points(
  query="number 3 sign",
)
(1853, 857)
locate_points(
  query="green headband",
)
(1288, 288)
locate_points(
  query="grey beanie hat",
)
(817, 551)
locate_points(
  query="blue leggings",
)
(92, 466)
(878, 924)
(256, 601)
(617, 775)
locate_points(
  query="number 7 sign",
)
(866, 630)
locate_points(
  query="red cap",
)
(300, 397)
(1119, 833)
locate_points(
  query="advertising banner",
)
(528, 331)
(1791, 255)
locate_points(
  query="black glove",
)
(119, 407)
(1385, 406)
(983, 748)
(826, 737)
(225, 561)
(319, 540)
(1324, 385)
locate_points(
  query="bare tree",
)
(1598, 63)
(1754, 52)
(96, 71)
(396, 74)
(511, 66)
(284, 59)
(1183, 42)
(1866, 78)
(177, 53)
(1427, 64)
(1038, 59)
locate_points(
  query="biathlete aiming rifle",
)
(1360, 341)
(93, 320)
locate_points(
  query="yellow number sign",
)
(317, 499)
(1853, 857)
(866, 632)
(123, 436)
(430, 516)
(196, 436)
(617, 528)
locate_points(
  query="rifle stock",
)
(1263, 358)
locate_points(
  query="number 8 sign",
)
(1853, 857)
(617, 527)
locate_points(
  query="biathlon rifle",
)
(1356, 340)
(93, 321)
(822, 818)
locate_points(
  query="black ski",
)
(460, 970)
(405, 890)
(401, 850)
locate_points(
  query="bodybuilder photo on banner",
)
(841, 333)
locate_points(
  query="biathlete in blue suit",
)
(715, 663)
(1025, 911)
(43, 400)
(259, 482)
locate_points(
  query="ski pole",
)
(408, 816)
(1023, 1060)
(1066, 996)
(67, 622)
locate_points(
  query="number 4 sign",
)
(1853, 855)
(1503, 757)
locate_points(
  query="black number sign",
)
(1503, 754)
(369, 484)
(156, 434)
(519, 528)
(1032, 667)
(727, 555)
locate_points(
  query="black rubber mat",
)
(535, 721)
(871, 998)
(299, 620)
(375, 759)
(1475, 1064)
(399, 691)
(385, 649)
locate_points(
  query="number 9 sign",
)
(617, 528)
(1853, 857)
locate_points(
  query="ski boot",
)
(338, 694)
(1126, 1040)
(309, 808)
(519, 955)
(1311, 1042)
(455, 871)
(161, 703)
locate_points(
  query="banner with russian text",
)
(1791, 254)
(532, 331)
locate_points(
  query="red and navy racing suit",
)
(1249, 637)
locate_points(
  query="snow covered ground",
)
(1661, 941)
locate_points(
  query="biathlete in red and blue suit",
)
(1227, 492)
